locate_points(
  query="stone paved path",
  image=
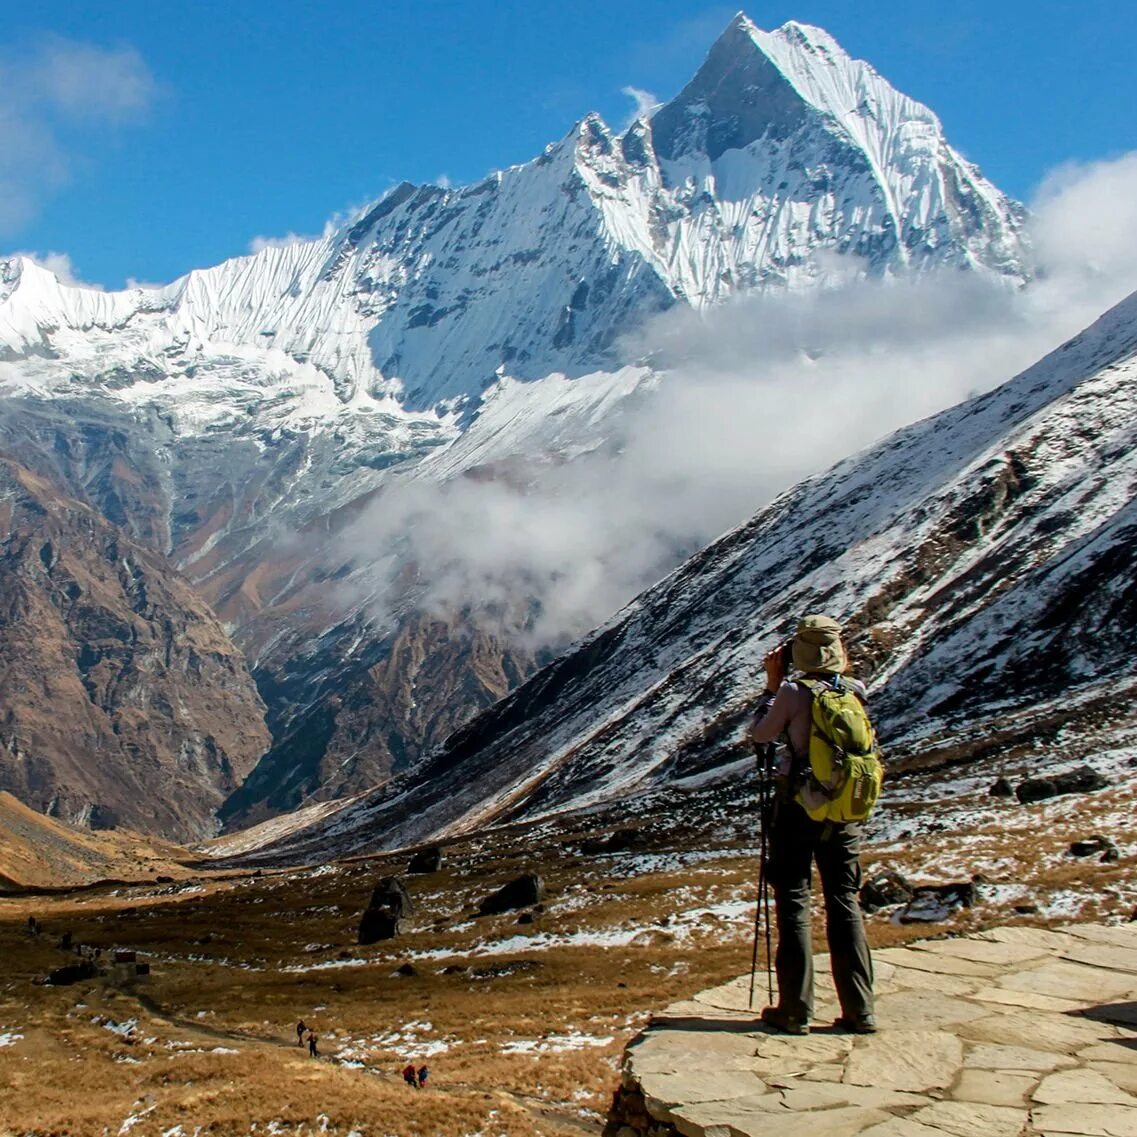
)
(1012, 1031)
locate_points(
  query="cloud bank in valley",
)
(750, 397)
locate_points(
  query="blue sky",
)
(145, 139)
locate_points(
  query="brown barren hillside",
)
(122, 699)
(39, 852)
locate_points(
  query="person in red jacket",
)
(796, 841)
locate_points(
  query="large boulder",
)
(426, 860)
(391, 895)
(521, 892)
(390, 903)
(1083, 779)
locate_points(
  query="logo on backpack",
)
(844, 774)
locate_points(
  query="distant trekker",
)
(300, 1029)
(423, 1074)
(313, 1038)
(816, 814)
(410, 1075)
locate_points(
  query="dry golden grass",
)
(227, 960)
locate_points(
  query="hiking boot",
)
(856, 1024)
(783, 1021)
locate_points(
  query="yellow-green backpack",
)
(844, 774)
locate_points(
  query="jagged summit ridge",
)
(781, 148)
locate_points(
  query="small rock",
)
(1089, 846)
(1001, 787)
(884, 890)
(406, 969)
(1113, 853)
(525, 918)
(1027, 909)
(1084, 779)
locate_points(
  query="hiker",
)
(796, 840)
(410, 1075)
(423, 1074)
(300, 1029)
(313, 1038)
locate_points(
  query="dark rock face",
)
(884, 890)
(125, 702)
(1084, 779)
(426, 860)
(521, 892)
(390, 903)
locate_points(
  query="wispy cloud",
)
(47, 92)
(258, 244)
(646, 104)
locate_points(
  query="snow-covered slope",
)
(981, 561)
(238, 417)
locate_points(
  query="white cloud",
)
(754, 395)
(49, 91)
(646, 104)
(258, 244)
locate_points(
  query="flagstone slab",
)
(719, 1121)
(1080, 1085)
(909, 979)
(1124, 935)
(1047, 938)
(1123, 1075)
(972, 1119)
(664, 1091)
(1065, 980)
(1086, 1120)
(985, 951)
(1030, 1000)
(1103, 955)
(914, 1060)
(994, 1087)
(1016, 1058)
(940, 965)
(923, 1010)
(1038, 1031)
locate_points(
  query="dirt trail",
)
(550, 1113)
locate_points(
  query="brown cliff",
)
(122, 699)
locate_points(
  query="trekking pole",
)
(762, 903)
(767, 812)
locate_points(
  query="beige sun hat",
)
(818, 647)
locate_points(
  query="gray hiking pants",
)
(796, 842)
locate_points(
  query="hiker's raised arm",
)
(773, 715)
